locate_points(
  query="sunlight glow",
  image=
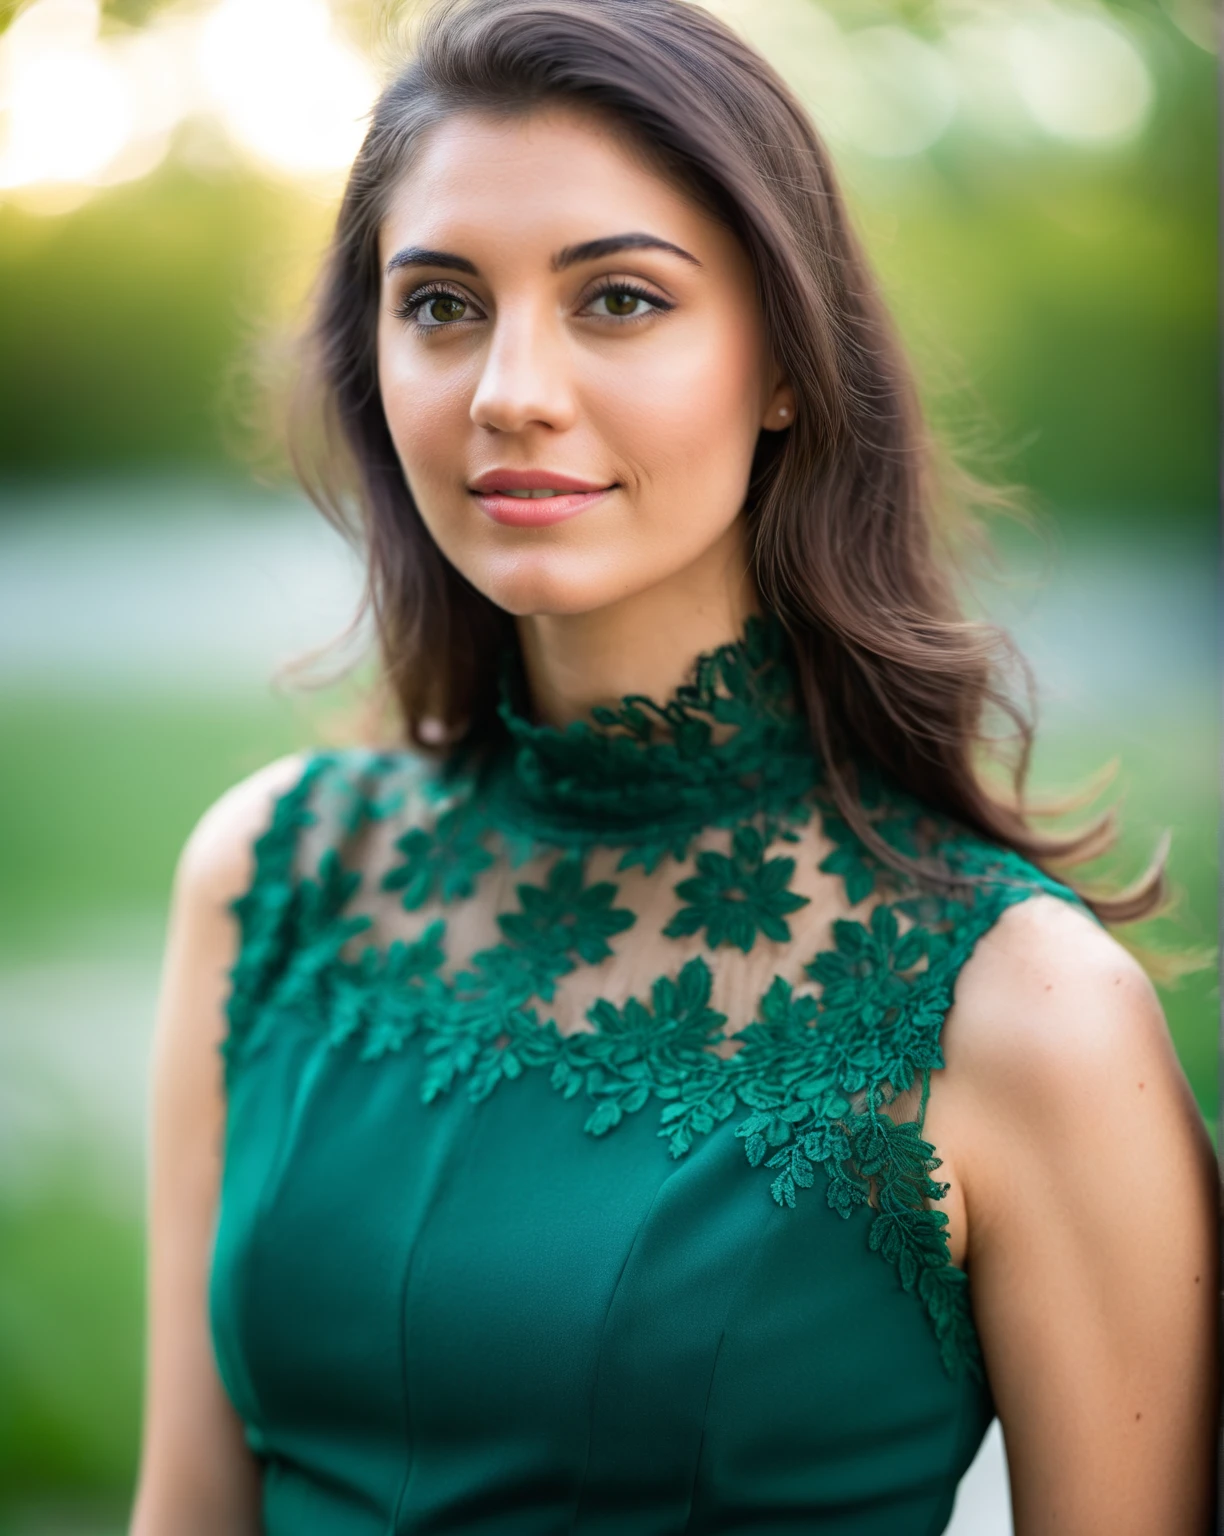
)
(80, 110)
(65, 110)
(287, 87)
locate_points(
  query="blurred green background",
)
(1036, 182)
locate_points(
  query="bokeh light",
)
(81, 109)
(67, 112)
(1068, 72)
(1080, 77)
(288, 88)
(84, 107)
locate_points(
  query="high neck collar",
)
(727, 743)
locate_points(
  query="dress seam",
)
(444, 1174)
(722, 1334)
(580, 1490)
(268, 1193)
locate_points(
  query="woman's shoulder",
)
(332, 789)
(217, 856)
(1055, 1024)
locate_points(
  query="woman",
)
(587, 1065)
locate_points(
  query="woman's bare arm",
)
(197, 1476)
(1091, 1195)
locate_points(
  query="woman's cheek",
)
(426, 418)
(693, 399)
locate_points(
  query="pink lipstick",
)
(534, 498)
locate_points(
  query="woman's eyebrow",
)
(593, 250)
(568, 256)
(421, 256)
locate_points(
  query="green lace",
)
(814, 1072)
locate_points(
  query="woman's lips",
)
(536, 511)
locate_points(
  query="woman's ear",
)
(780, 411)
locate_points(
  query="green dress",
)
(574, 1173)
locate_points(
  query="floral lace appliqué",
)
(809, 1081)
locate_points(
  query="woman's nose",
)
(525, 380)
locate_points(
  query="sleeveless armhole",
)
(898, 1161)
(266, 913)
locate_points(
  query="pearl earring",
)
(784, 410)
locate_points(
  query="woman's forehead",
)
(556, 172)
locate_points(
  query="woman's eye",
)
(436, 309)
(624, 303)
(444, 307)
(432, 309)
(621, 302)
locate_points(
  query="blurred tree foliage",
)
(1061, 301)
(127, 326)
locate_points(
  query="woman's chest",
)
(481, 1283)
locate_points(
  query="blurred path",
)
(165, 586)
(207, 587)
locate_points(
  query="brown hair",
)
(844, 509)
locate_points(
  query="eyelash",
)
(411, 305)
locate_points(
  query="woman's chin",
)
(527, 585)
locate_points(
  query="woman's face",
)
(557, 318)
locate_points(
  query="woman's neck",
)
(645, 643)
